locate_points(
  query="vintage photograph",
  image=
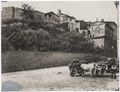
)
(59, 45)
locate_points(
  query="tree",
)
(28, 14)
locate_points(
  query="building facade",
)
(17, 13)
(103, 34)
(77, 26)
(11, 13)
(52, 17)
(70, 20)
(38, 16)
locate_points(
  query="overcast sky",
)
(81, 10)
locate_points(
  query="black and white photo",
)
(60, 45)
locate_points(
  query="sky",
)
(81, 10)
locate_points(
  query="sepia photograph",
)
(59, 45)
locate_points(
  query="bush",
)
(35, 25)
(87, 47)
(74, 42)
(17, 40)
(45, 36)
(99, 50)
(36, 40)
(55, 44)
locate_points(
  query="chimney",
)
(96, 19)
(59, 11)
(102, 20)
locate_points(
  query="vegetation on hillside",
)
(34, 35)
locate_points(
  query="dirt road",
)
(56, 78)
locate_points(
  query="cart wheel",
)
(72, 74)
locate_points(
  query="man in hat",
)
(113, 70)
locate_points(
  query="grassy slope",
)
(22, 60)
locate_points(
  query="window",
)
(90, 36)
(66, 18)
(46, 16)
(77, 30)
(83, 33)
(76, 21)
(49, 15)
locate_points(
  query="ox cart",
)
(103, 64)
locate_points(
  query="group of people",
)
(95, 68)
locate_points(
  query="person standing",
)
(113, 71)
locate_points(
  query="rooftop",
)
(52, 13)
(68, 16)
(104, 22)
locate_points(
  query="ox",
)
(89, 67)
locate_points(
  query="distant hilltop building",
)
(52, 17)
(104, 35)
(72, 23)
(17, 13)
(38, 16)
(11, 13)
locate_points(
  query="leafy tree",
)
(28, 14)
(27, 11)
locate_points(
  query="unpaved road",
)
(56, 78)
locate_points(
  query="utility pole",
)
(117, 7)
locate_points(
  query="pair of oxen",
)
(94, 68)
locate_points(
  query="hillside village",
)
(102, 33)
(55, 50)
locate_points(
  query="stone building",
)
(84, 29)
(69, 20)
(104, 35)
(17, 13)
(77, 26)
(38, 16)
(52, 17)
(11, 13)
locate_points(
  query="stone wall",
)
(7, 13)
(18, 13)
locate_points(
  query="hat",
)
(109, 59)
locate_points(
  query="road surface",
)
(56, 78)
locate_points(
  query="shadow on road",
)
(11, 86)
